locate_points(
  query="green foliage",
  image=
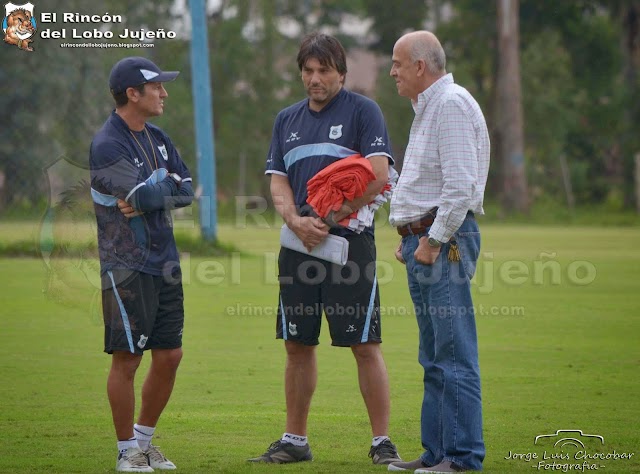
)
(55, 112)
(392, 19)
(468, 40)
(551, 110)
(580, 88)
(252, 79)
(574, 99)
(584, 80)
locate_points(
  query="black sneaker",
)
(280, 452)
(385, 453)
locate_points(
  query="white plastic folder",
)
(333, 248)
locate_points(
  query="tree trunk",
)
(630, 16)
(509, 119)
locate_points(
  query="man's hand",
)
(399, 253)
(425, 253)
(127, 209)
(311, 230)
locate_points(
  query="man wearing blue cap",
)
(137, 177)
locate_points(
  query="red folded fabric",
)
(346, 179)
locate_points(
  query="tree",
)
(55, 112)
(629, 15)
(510, 144)
(392, 19)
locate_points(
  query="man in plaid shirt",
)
(440, 189)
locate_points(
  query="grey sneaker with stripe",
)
(280, 453)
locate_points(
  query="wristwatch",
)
(434, 243)
(176, 178)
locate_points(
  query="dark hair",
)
(121, 97)
(326, 49)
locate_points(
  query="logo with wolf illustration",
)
(19, 25)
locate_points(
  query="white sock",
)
(294, 439)
(143, 435)
(379, 439)
(130, 443)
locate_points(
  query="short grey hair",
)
(431, 52)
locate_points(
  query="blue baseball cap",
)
(134, 71)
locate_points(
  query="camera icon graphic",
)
(569, 438)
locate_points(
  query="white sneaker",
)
(133, 460)
(157, 459)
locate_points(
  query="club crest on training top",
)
(335, 132)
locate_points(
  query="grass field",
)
(559, 334)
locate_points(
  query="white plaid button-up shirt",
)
(446, 162)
